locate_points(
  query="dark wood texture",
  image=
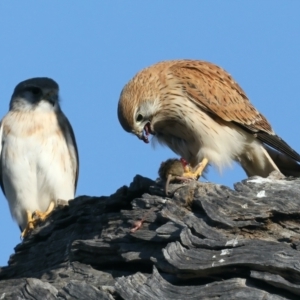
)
(206, 241)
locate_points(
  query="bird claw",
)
(195, 174)
(30, 225)
(33, 219)
(42, 216)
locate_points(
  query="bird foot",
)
(30, 225)
(42, 216)
(197, 172)
(33, 219)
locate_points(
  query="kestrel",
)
(203, 115)
(39, 157)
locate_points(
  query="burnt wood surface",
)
(206, 241)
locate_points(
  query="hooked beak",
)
(144, 135)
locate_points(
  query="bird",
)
(39, 162)
(201, 113)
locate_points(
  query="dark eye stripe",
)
(35, 90)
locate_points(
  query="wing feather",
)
(279, 144)
(213, 90)
(71, 141)
(1, 179)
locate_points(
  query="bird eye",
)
(35, 91)
(139, 118)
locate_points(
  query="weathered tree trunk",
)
(205, 242)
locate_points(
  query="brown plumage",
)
(201, 113)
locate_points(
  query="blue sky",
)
(92, 48)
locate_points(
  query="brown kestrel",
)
(203, 115)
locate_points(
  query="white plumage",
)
(39, 159)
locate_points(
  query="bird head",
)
(39, 92)
(136, 109)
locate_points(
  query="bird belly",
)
(198, 136)
(36, 169)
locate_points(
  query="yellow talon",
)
(189, 173)
(29, 226)
(36, 217)
(42, 216)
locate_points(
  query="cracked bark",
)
(206, 241)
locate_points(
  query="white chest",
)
(35, 161)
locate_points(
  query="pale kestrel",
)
(39, 158)
(203, 115)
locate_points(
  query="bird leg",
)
(29, 226)
(42, 216)
(195, 174)
(36, 217)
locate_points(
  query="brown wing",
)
(214, 90)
